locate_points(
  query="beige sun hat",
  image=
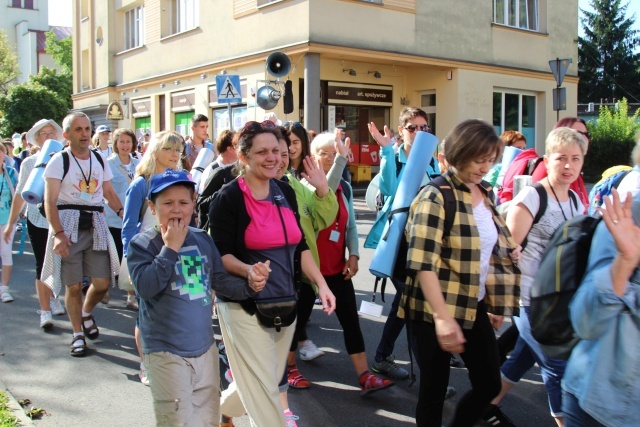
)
(31, 135)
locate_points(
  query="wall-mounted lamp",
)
(203, 76)
(177, 82)
(223, 72)
(449, 75)
(135, 90)
(351, 71)
(376, 74)
(162, 85)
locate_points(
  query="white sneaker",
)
(46, 320)
(309, 351)
(6, 296)
(144, 377)
(57, 309)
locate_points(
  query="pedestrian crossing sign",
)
(228, 88)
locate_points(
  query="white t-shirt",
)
(75, 183)
(488, 239)
(539, 235)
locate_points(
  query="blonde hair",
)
(159, 141)
(563, 137)
(95, 139)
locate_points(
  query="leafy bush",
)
(27, 103)
(612, 139)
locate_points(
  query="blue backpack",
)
(603, 188)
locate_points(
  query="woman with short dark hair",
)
(462, 280)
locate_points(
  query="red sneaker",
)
(296, 380)
(369, 383)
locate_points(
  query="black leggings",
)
(347, 312)
(306, 299)
(38, 237)
(481, 359)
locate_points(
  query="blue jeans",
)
(527, 352)
(393, 325)
(574, 415)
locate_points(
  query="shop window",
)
(515, 111)
(516, 13)
(428, 105)
(222, 121)
(184, 15)
(134, 27)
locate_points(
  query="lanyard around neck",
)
(87, 180)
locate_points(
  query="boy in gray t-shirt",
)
(174, 269)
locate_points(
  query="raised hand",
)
(315, 176)
(382, 140)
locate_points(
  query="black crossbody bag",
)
(278, 312)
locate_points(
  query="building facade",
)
(26, 22)
(352, 62)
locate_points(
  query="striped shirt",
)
(456, 258)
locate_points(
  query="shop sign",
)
(359, 94)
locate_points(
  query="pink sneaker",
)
(290, 419)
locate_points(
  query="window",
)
(183, 15)
(516, 13)
(134, 27)
(221, 119)
(428, 105)
(22, 4)
(515, 111)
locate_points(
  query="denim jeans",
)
(393, 326)
(574, 415)
(525, 354)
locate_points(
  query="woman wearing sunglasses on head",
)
(256, 226)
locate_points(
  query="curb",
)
(15, 407)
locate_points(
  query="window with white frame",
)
(516, 13)
(134, 27)
(515, 111)
(184, 15)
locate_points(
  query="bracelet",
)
(119, 210)
(61, 231)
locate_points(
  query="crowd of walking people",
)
(254, 229)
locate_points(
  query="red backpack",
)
(524, 164)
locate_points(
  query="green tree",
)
(8, 63)
(27, 103)
(60, 50)
(59, 83)
(612, 139)
(608, 66)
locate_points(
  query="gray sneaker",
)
(389, 368)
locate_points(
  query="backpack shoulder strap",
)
(574, 198)
(65, 163)
(542, 194)
(346, 188)
(398, 164)
(449, 201)
(99, 157)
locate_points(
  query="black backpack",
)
(562, 267)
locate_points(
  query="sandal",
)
(91, 332)
(78, 350)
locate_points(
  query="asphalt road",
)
(103, 388)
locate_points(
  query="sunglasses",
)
(293, 125)
(585, 134)
(413, 128)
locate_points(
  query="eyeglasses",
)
(413, 128)
(47, 133)
(174, 150)
(330, 154)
